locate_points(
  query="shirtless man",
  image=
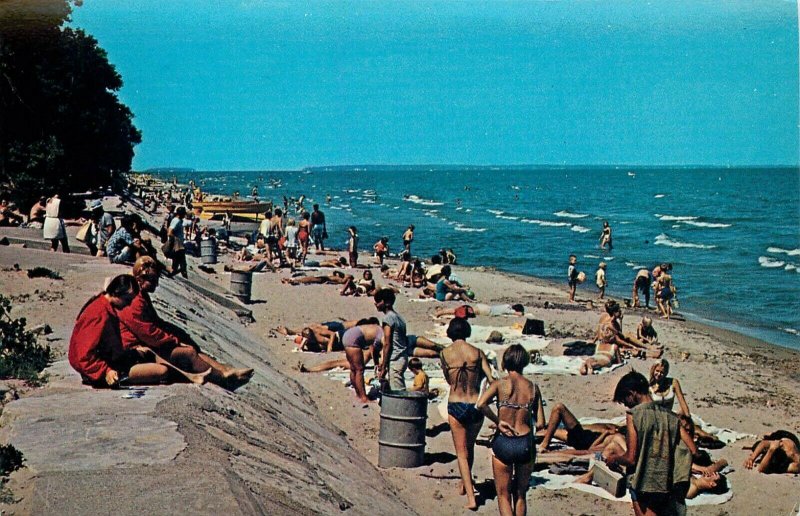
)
(779, 453)
(420, 347)
(589, 438)
(483, 309)
(335, 278)
(323, 337)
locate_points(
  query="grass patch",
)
(21, 356)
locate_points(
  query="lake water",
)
(732, 235)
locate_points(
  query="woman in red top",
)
(140, 325)
(95, 349)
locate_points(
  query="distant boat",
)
(249, 210)
(632, 174)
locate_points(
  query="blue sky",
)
(250, 84)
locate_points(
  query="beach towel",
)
(481, 333)
(548, 480)
(725, 435)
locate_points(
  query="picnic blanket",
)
(554, 482)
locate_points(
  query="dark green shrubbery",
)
(20, 355)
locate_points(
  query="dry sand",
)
(729, 380)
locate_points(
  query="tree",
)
(62, 126)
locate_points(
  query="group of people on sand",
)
(660, 281)
(119, 339)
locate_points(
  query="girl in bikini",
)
(464, 368)
(366, 335)
(519, 413)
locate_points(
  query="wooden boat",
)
(250, 210)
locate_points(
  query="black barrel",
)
(208, 251)
(401, 443)
(241, 285)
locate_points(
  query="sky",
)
(254, 85)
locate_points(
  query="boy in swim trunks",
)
(572, 277)
(421, 380)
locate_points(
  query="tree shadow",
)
(439, 457)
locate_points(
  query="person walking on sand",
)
(605, 237)
(600, 279)
(54, 228)
(394, 358)
(303, 234)
(519, 411)
(659, 450)
(464, 367)
(572, 277)
(319, 230)
(352, 246)
(381, 248)
(175, 239)
(408, 237)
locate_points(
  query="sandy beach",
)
(292, 442)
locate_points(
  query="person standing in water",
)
(605, 237)
(408, 237)
(319, 230)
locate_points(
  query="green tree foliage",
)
(20, 355)
(62, 126)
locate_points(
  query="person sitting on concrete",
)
(95, 348)
(140, 325)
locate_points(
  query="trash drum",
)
(208, 252)
(241, 285)
(401, 442)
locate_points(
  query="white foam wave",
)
(424, 202)
(546, 223)
(791, 330)
(495, 212)
(770, 263)
(506, 217)
(591, 256)
(658, 196)
(675, 218)
(778, 250)
(467, 229)
(567, 214)
(468, 210)
(579, 229)
(663, 239)
(706, 224)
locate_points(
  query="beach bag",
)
(533, 327)
(84, 232)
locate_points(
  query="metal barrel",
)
(241, 285)
(401, 442)
(208, 251)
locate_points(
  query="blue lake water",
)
(733, 236)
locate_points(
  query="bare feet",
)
(238, 374)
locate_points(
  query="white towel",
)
(481, 333)
(564, 365)
(725, 435)
(553, 482)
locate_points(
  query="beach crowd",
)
(658, 453)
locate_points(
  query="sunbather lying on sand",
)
(779, 452)
(489, 310)
(323, 337)
(418, 346)
(589, 438)
(140, 325)
(334, 278)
